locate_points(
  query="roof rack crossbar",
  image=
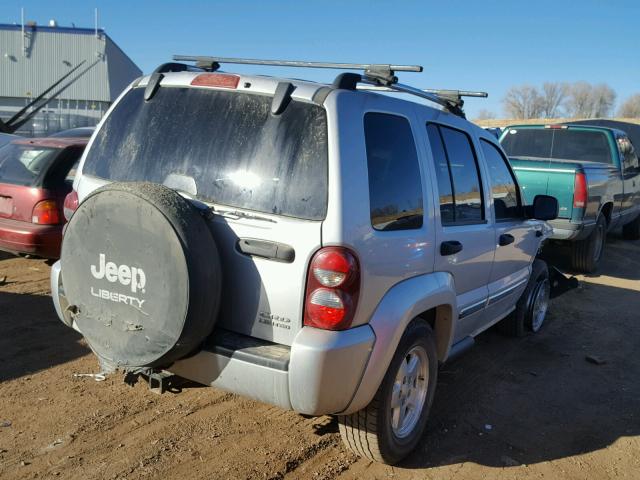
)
(449, 99)
(299, 63)
(379, 77)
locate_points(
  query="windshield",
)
(22, 164)
(568, 144)
(228, 143)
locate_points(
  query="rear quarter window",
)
(395, 188)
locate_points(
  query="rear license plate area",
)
(6, 206)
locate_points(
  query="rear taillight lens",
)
(580, 191)
(46, 212)
(333, 287)
(70, 204)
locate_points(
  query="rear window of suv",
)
(557, 143)
(229, 143)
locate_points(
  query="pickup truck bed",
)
(557, 178)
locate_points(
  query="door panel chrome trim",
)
(476, 307)
(500, 295)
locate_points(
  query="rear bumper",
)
(566, 230)
(29, 238)
(319, 374)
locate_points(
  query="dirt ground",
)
(510, 409)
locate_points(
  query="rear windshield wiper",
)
(236, 214)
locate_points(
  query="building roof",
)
(50, 52)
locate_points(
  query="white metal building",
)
(34, 57)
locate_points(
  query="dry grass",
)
(503, 123)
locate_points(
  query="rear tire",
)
(531, 308)
(586, 254)
(386, 433)
(631, 231)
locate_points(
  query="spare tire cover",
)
(141, 268)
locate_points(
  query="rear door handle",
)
(450, 247)
(506, 239)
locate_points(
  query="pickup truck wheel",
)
(631, 231)
(531, 308)
(586, 253)
(390, 427)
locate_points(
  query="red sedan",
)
(35, 177)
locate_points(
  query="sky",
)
(487, 45)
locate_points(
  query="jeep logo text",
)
(124, 274)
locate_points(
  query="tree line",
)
(568, 100)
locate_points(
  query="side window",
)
(445, 187)
(458, 176)
(504, 188)
(395, 188)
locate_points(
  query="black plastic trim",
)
(249, 349)
(281, 97)
(266, 249)
(460, 348)
(152, 86)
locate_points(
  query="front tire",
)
(391, 426)
(532, 306)
(586, 254)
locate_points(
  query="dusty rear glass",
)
(23, 164)
(567, 144)
(229, 143)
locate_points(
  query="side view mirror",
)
(545, 207)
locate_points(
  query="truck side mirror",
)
(545, 207)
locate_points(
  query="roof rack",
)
(451, 100)
(379, 77)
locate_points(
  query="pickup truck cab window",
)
(395, 188)
(558, 143)
(454, 149)
(504, 189)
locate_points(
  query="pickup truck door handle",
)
(505, 239)
(450, 247)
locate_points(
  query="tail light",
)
(333, 287)
(46, 212)
(580, 191)
(70, 204)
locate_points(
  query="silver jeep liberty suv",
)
(320, 247)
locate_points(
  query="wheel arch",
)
(430, 297)
(606, 210)
(440, 319)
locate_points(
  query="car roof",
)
(305, 90)
(55, 142)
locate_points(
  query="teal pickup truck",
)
(593, 171)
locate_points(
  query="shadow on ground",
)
(31, 336)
